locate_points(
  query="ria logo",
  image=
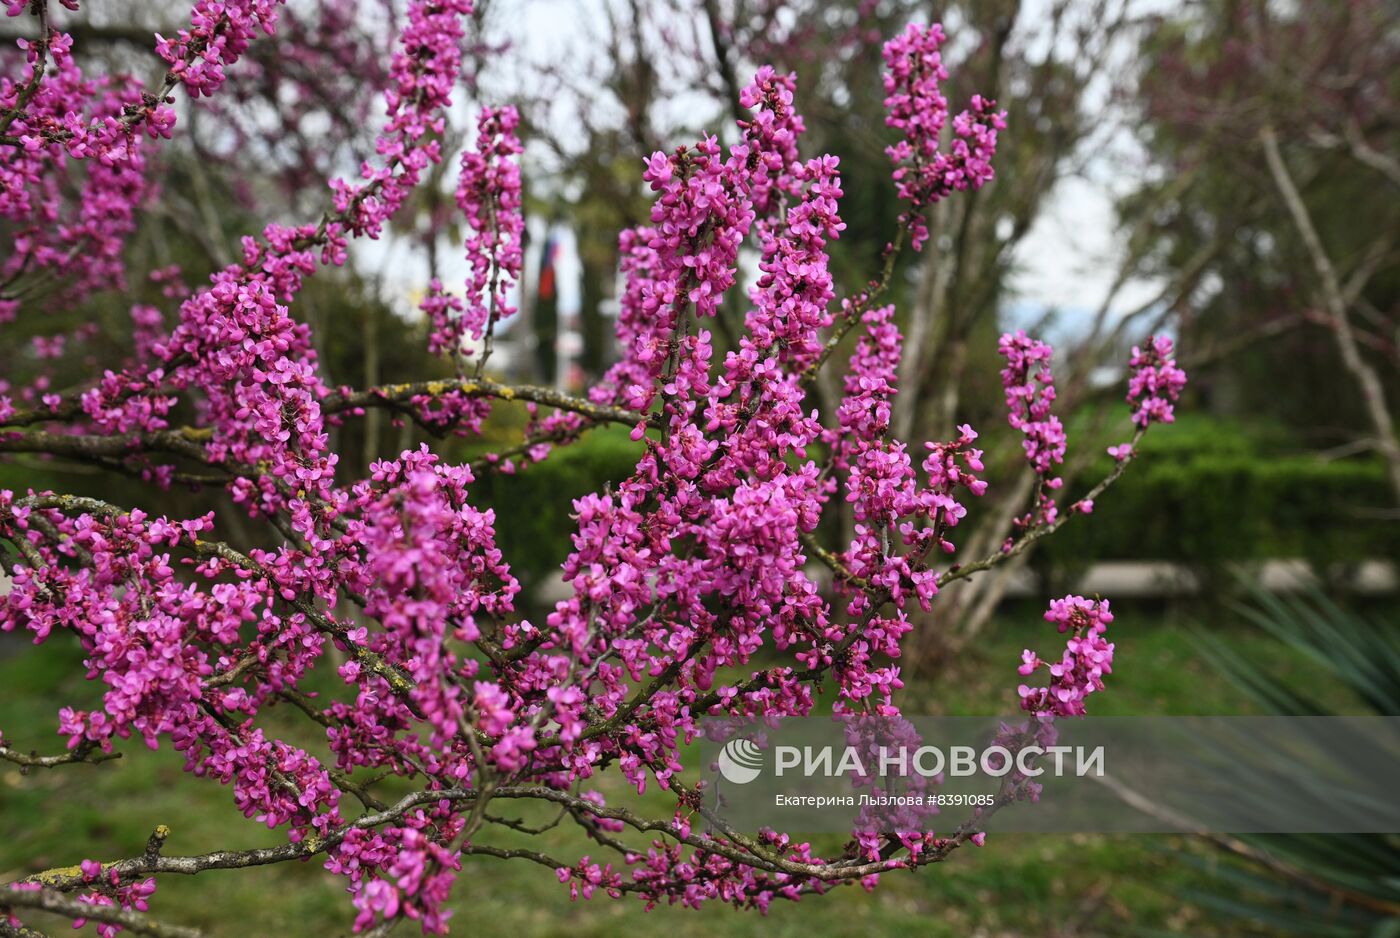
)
(740, 761)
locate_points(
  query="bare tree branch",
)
(1368, 382)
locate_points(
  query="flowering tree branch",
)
(679, 574)
(50, 900)
(35, 761)
(1022, 543)
(407, 394)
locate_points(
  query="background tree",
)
(1286, 125)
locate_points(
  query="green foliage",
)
(1348, 885)
(1205, 494)
(1357, 651)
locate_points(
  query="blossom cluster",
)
(71, 133)
(771, 137)
(924, 171)
(219, 34)
(1029, 384)
(488, 193)
(1080, 671)
(1156, 382)
(424, 68)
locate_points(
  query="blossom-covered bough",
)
(692, 581)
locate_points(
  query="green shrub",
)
(533, 506)
(1207, 508)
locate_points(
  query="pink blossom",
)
(1030, 394)
(488, 193)
(1156, 382)
(916, 107)
(1080, 671)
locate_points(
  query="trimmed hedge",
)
(1213, 508)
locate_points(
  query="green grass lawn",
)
(1017, 885)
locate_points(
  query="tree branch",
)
(50, 900)
(83, 753)
(397, 395)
